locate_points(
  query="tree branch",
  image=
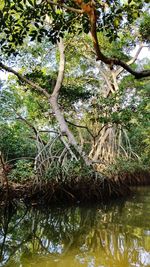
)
(79, 11)
(107, 60)
(136, 74)
(32, 128)
(91, 11)
(53, 99)
(132, 60)
(24, 79)
(80, 126)
(109, 84)
(55, 106)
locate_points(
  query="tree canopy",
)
(21, 19)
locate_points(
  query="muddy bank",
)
(136, 178)
(75, 190)
(81, 191)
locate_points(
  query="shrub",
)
(22, 171)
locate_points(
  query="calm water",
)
(115, 235)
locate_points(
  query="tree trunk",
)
(65, 131)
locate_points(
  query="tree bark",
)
(55, 106)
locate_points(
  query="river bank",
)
(63, 192)
(75, 190)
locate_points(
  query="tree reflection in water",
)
(115, 235)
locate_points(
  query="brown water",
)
(115, 235)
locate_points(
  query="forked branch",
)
(90, 10)
(53, 100)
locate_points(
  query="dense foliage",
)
(100, 116)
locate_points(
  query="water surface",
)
(114, 235)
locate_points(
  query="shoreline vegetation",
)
(75, 191)
(78, 184)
